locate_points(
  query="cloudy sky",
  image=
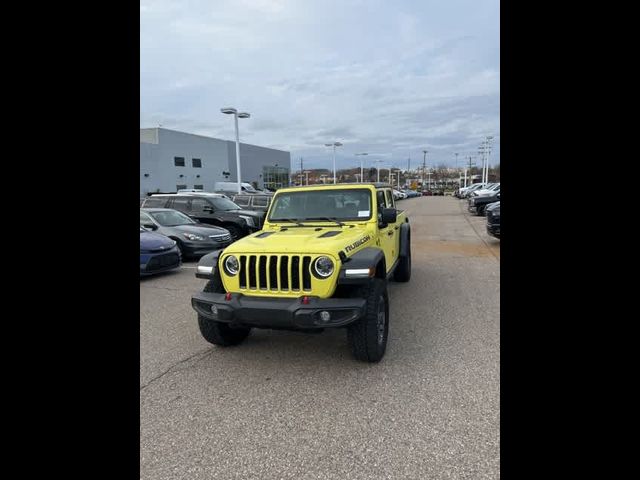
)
(391, 78)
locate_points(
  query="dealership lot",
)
(293, 405)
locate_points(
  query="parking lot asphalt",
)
(287, 405)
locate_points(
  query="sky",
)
(388, 78)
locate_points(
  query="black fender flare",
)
(405, 239)
(369, 257)
(208, 265)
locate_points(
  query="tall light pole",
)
(424, 166)
(378, 169)
(236, 115)
(334, 145)
(361, 166)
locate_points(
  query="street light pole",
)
(424, 166)
(236, 115)
(334, 145)
(378, 169)
(361, 166)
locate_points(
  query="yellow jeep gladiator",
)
(322, 260)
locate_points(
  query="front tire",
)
(220, 333)
(367, 337)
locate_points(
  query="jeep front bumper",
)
(284, 313)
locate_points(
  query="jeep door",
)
(385, 232)
(395, 227)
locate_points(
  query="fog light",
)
(214, 310)
(325, 316)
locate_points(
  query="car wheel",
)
(220, 333)
(367, 337)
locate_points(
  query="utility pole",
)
(489, 138)
(481, 153)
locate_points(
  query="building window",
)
(178, 161)
(181, 187)
(198, 187)
(196, 162)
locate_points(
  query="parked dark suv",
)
(211, 208)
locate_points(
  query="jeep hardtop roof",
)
(330, 186)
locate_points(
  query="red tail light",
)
(227, 296)
(305, 300)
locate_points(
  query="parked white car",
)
(491, 190)
(232, 187)
(466, 191)
(398, 195)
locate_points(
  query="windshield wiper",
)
(328, 219)
(290, 220)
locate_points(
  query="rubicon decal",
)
(357, 243)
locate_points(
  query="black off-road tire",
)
(367, 338)
(220, 333)
(403, 270)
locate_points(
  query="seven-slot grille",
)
(275, 272)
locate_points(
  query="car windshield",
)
(171, 218)
(322, 205)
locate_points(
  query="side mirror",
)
(208, 209)
(150, 226)
(389, 215)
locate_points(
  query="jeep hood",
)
(307, 240)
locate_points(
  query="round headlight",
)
(231, 265)
(323, 267)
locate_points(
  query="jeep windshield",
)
(322, 205)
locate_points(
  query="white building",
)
(171, 160)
